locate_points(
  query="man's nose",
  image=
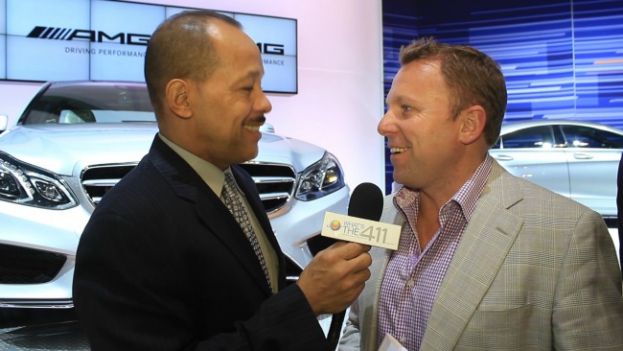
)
(386, 125)
(263, 104)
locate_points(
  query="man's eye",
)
(406, 108)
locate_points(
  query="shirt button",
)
(410, 283)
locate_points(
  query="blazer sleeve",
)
(588, 311)
(122, 303)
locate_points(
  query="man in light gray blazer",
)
(486, 260)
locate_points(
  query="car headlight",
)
(320, 179)
(28, 185)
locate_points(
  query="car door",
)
(593, 156)
(531, 153)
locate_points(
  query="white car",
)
(579, 160)
(75, 140)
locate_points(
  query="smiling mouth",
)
(253, 127)
(255, 124)
(397, 150)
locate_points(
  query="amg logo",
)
(53, 33)
(273, 49)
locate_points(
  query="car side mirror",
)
(4, 123)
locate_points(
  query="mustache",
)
(258, 120)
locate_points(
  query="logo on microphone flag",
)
(358, 230)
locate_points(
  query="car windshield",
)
(90, 103)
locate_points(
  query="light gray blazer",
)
(533, 271)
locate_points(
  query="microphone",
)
(365, 202)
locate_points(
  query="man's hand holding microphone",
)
(335, 277)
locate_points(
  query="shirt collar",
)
(468, 194)
(466, 197)
(209, 173)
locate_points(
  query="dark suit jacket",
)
(162, 265)
(620, 210)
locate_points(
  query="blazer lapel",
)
(212, 213)
(480, 254)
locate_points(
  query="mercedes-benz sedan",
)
(76, 140)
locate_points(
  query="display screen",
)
(106, 40)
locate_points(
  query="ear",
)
(473, 120)
(178, 98)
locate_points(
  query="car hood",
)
(67, 149)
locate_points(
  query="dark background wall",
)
(561, 59)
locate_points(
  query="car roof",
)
(63, 83)
(510, 127)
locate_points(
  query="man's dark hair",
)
(181, 48)
(473, 77)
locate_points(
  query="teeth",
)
(397, 150)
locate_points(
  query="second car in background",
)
(575, 159)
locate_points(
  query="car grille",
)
(20, 265)
(97, 180)
(275, 182)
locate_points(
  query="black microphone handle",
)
(335, 330)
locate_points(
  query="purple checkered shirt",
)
(412, 277)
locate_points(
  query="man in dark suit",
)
(163, 263)
(620, 211)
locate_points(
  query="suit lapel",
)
(211, 211)
(483, 248)
(246, 184)
(250, 190)
(222, 224)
